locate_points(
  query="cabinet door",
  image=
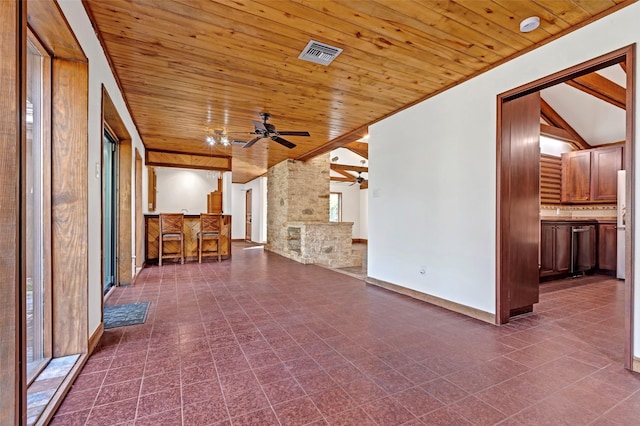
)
(605, 163)
(576, 176)
(607, 247)
(562, 248)
(547, 249)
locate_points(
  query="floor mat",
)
(127, 314)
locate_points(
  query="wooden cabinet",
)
(605, 163)
(555, 249)
(607, 246)
(576, 176)
(591, 175)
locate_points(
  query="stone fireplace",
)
(298, 224)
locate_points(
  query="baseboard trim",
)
(437, 301)
(95, 338)
(635, 365)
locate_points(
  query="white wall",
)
(350, 204)
(183, 190)
(99, 74)
(258, 189)
(433, 202)
(364, 214)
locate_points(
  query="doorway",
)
(248, 214)
(109, 209)
(516, 236)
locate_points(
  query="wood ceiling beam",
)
(360, 148)
(600, 87)
(557, 133)
(338, 142)
(364, 184)
(341, 179)
(357, 169)
(551, 116)
(346, 174)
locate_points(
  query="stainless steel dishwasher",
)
(583, 249)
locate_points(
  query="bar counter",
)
(191, 228)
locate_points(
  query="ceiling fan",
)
(359, 179)
(264, 130)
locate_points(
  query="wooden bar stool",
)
(210, 227)
(171, 229)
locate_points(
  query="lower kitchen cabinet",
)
(607, 247)
(594, 248)
(555, 249)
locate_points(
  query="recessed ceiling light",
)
(529, 24)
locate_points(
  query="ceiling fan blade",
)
(260, 127)
(252, 141)
(284, 142)
(292, 133)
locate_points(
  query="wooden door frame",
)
(139, 218)
(626, 55)
(248, 232)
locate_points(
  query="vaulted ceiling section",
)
(188, 68)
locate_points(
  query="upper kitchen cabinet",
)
(591, 175)
(605, 163)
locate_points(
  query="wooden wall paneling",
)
(125, 159)
(187, 160)
(151, 189)
(550, 179)
(69, 158)
(12, 97)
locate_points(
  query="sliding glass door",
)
(109, 209)
(37, 216)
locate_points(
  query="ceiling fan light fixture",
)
(210, 140)
(529, 24)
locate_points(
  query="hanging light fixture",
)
(217, 137)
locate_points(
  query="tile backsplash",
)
(578, 212)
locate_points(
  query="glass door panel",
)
(34, 215)
(109, 206)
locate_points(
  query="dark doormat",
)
(127, 314)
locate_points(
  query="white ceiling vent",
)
(319, 53)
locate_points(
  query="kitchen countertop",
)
(581, 219)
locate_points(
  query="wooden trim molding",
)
(13, 26)
(95, 338)
(434, 300)
(359, 241)
(187, 160)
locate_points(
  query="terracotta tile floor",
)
(261, 340)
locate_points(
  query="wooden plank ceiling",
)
(191, 67)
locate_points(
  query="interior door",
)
(248, 214)
(109, 210)
(519, 209)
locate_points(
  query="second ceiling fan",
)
(264, 130)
